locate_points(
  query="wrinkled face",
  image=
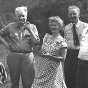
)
(73, 15)
(54, 26)
(22, 18)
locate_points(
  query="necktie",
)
(75, 36)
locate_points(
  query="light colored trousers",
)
(21, 65)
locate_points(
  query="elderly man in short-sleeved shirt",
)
(73, 39)
(20, 37)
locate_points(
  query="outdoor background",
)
(38, 12)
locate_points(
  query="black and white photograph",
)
(43, 43)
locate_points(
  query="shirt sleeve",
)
(45, 37)
(64, 44)
(34, 32)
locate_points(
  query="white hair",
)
(22, 10)
(57, 19)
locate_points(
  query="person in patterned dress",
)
(48, 61)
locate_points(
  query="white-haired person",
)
(72, 34)
(19, 38)
(49, 59)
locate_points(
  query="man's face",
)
(22, 18)
(73, 15)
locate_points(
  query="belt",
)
(22, 52)
(25, 54)
(72, 49)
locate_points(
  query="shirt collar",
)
(19, 25)
(78, 23)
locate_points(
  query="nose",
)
(72, 15)
(21, 17)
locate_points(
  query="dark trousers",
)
(82, 74)
(20, 65)
(70, 68)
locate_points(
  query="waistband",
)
(74, 50)
(21, 53)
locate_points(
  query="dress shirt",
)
(68, 33)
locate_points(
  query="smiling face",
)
(21, 14)
(54, 25)
(74, 14)
(22, 18)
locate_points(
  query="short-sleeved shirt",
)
(83, 52)
(68, 33)
(18, 37)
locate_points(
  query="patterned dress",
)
(48, 72)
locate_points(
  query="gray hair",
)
(21, 10)
(57, 19)
(74, 7)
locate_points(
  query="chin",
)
(74, 21)
(22, 22)
(54, 32)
